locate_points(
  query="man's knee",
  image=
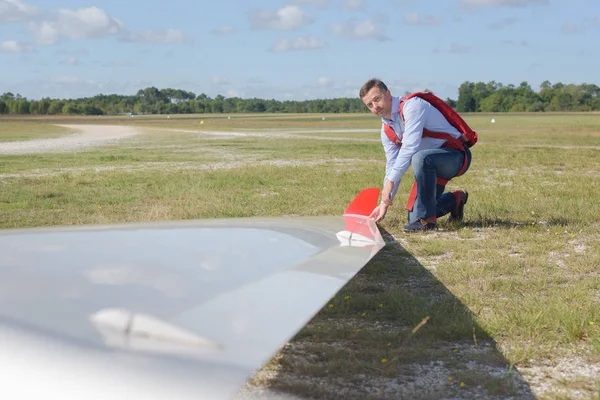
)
(418, 160)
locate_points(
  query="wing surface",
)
(181, 309)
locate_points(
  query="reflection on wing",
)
(192, 307)
(129, 330)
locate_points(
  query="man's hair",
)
(370, 84)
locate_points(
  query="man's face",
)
(378, 102)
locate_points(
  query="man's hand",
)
(379, 212)
(386, 193)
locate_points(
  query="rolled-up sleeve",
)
(416, 111)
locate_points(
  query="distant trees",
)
(495, 97)
(472, 97)
(170, 101)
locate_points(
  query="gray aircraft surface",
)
(172, 310)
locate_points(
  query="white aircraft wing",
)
(173, 310)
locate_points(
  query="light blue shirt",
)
(418, 114)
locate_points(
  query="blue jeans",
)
(427, 166)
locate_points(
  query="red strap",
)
(451, 141)
(389, 132)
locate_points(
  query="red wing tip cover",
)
(364, 202)
(357, 213)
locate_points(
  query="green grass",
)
(219, 122)
(512, 288)
(12, 129)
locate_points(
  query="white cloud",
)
(223, 30)
(503, 3)
(457, 48)
(424, 20)
(163, 36)
(83, 23)
(168, 283)
(286, 18)
(503, 23)
(16, 11)
(12, 46)
(90, 22)
(300, 43)
(366, 29)
(353, 4)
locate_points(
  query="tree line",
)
(495, 97)
(472, 97)
(171, 101)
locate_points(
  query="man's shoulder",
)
(415, 101)
(414, 104)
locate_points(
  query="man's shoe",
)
(420, 225)
(461, 199)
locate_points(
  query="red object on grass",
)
(364, 202)
(357, 213)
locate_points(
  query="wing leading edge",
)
(185, 309)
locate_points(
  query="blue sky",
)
(292, 49)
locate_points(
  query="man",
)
(433, 161)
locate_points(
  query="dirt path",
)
(96, 135)
(85, 136)
(279, 133)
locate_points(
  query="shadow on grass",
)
(393, 332)
(501, 223)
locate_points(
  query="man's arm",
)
(391, 154)
(388, 192)
(416, 111)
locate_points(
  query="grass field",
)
(504, 305)
(13, 129)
